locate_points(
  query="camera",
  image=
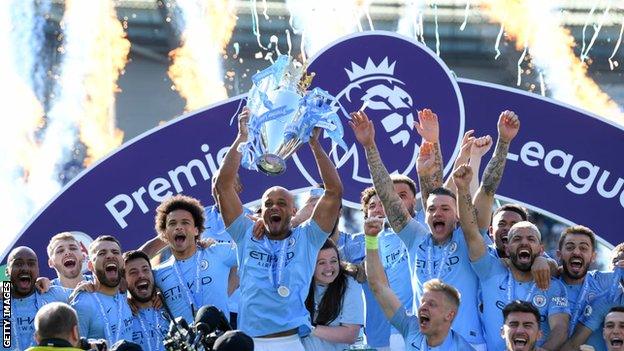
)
(92, 344)
(209, 324)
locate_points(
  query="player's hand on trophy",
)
(314, 138)
(363, 128)
(243, 120)
(462, 177)
(427, 126)
(508, 125)
(425, 163)
(373, 226)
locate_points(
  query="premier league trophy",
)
(283, 115)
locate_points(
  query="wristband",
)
(371, 242)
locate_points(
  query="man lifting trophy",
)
(283, 115)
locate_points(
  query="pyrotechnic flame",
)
(551, 46)
(94, 53)
(23, 113)
(108, 56)
(196, 69)
(323, 21)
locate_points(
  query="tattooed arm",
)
(397, 214)
(429, 129)
(508, 126)
(467, 213)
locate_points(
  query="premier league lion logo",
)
(380, 77)
(374, 87)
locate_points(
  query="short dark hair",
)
(578, 229)
(104, 238)
(55, 320)
(179, 202)
(365, 197)
(521, 211)
(135, 255)
(616, 309)
(403, 179)
(521, 306)
(443, 191)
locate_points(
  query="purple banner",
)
(564, 161)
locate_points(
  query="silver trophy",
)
(276, 128)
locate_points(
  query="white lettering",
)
(586, 182)
(119, 215)
(138, 197)
(160, 188)
(173, 175)
(583, 173)
(533, 149)
(565, 165)
(156, 187)
(601, 186)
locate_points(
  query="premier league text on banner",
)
(160, 188)
(582, 174)
(6, 314)
(563, 155)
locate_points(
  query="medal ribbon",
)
(107, 326)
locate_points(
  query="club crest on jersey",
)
(588, 311)
(203, 264)
(539, 300)
(453, 247)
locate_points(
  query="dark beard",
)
(142, 299)
(521, 267)
(580, 275)
(101, 277)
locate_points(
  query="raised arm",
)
(508, 126)
(429, 129)
(397, 214)
(225, 186)
(479, 148)
(377, 279)
(467, 213)
(327, 208)
(463, 157)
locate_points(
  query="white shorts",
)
(282, 343)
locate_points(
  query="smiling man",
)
(66, 257)
(500, 284)
(104, 313)
(149, 325)
(192, 277)
(276, 270)
(613, 331)
(23, 271)
(522, 326)
(577, 251)
(431, 327)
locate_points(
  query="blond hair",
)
(451, 293)
(60, 237)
